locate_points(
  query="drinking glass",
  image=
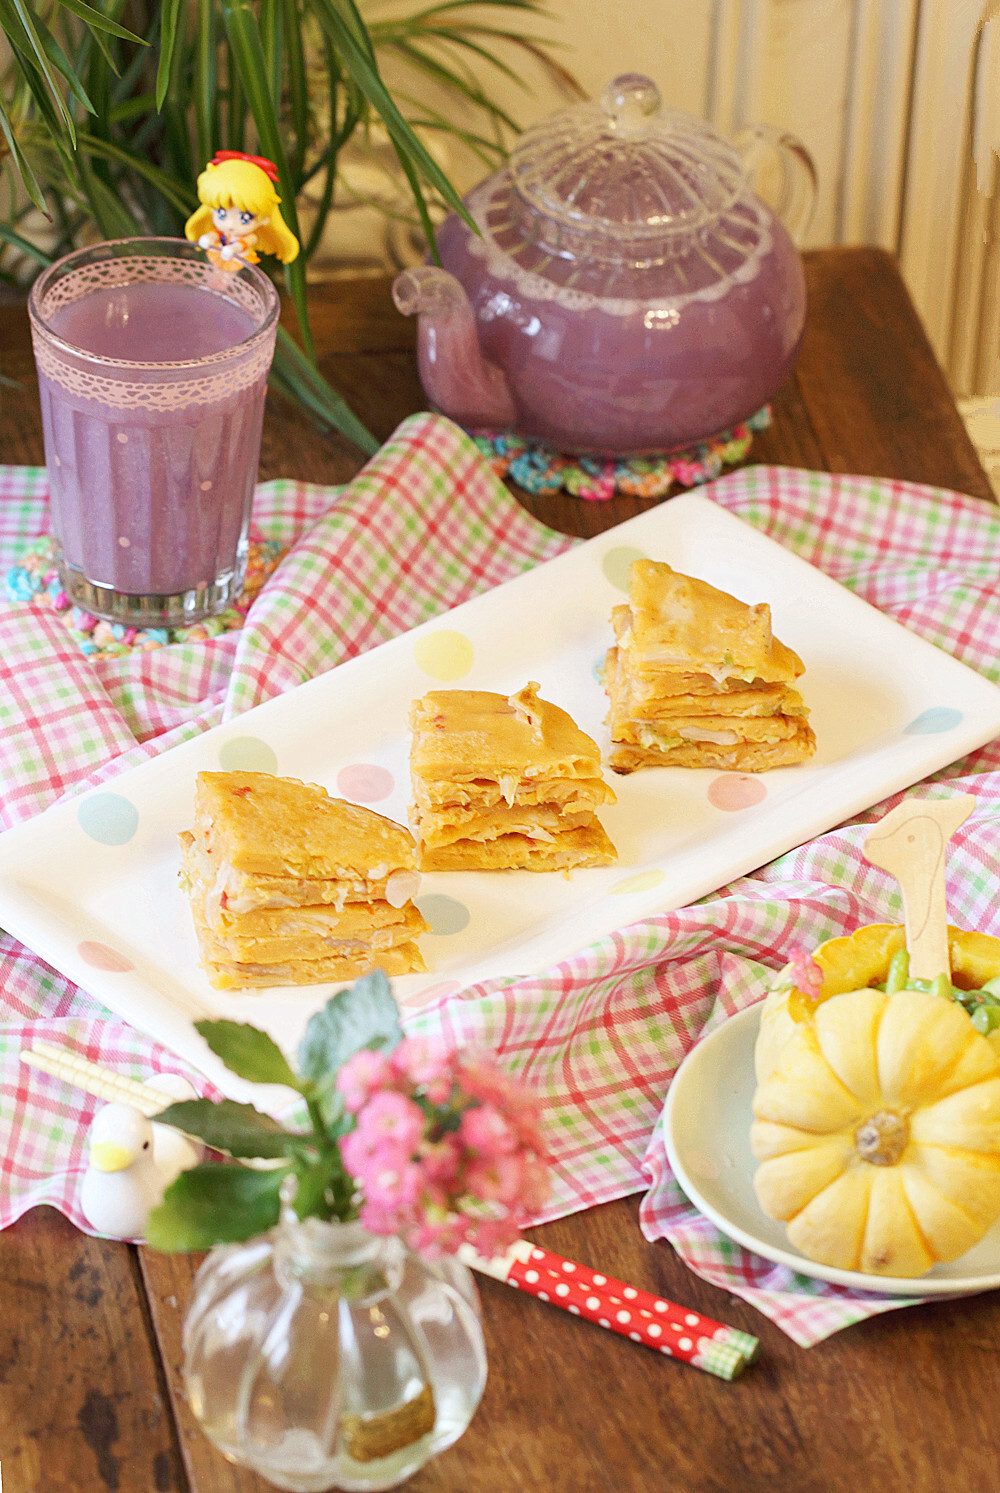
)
(152, 371)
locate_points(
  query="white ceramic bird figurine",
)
(132, 1160)
(131, 1163)
(122, 1183)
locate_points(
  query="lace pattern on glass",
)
(159, 386)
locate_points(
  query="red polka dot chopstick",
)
(638, 1315)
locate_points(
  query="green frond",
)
(105, 126)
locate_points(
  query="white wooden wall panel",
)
(937, 169)
(870, 198)
(974, 350)
(880, 92)
(805, 87)
(669, 40)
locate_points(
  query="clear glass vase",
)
(322, 1356)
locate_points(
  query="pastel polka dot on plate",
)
(247, 754)
(444, 654)
(644, 881)
(429, 993)
(108, 818)
(615, 564)
(445, 914)
(933, 720)
(736, 790)
(365, 783)
(100, 956)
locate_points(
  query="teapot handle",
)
(780, 170)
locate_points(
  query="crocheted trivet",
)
(539, 469)
(35, 578)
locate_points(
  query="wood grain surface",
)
(90, 1331)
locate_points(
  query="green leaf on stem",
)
(215, 1203)
(25, 172)
(23, 245)
(171, 21)
(346, 29)
(248, 1052)
(237, 1129)
(97, 21)
(363, 1015)
(302, 380)
(324, 1190)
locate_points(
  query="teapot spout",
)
(456, 377)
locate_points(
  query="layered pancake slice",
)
(743, 756)
(289, 886)
(675, 623)
(247, 891)
(569, 850)
(230, 974)
(282, 941)
(354, 949)
(503, 783)
(697, 679)
(630, 702)
(281, 827)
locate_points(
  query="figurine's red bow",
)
(268, 167)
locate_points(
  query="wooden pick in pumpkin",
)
(910, 843)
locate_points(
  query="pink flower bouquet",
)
(439, 1147)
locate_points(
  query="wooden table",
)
(90, 1398)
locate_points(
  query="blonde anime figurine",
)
(239, 213)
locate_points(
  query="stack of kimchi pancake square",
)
(289, 886)
(697, 679)
(504, 782)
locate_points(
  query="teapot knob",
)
(631, 101)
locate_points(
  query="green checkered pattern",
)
(598, 1037)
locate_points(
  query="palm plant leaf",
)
(251, 62)
(23, 245)
(304, 382)
(32, 39)
(182, 198)
(97, 21)
(110, 126)
(109, 210)
(409, 48)
(206, 82)
(170, 18)
(340, 18)
(297, 87)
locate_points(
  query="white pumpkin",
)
(877, 1129)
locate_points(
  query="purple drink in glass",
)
(152, 370)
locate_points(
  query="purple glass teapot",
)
(629, 293)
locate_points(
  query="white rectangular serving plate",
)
(888, 709)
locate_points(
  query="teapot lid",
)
(627, 167)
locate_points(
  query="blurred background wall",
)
(897, 101)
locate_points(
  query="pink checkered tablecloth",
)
(424, 527)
